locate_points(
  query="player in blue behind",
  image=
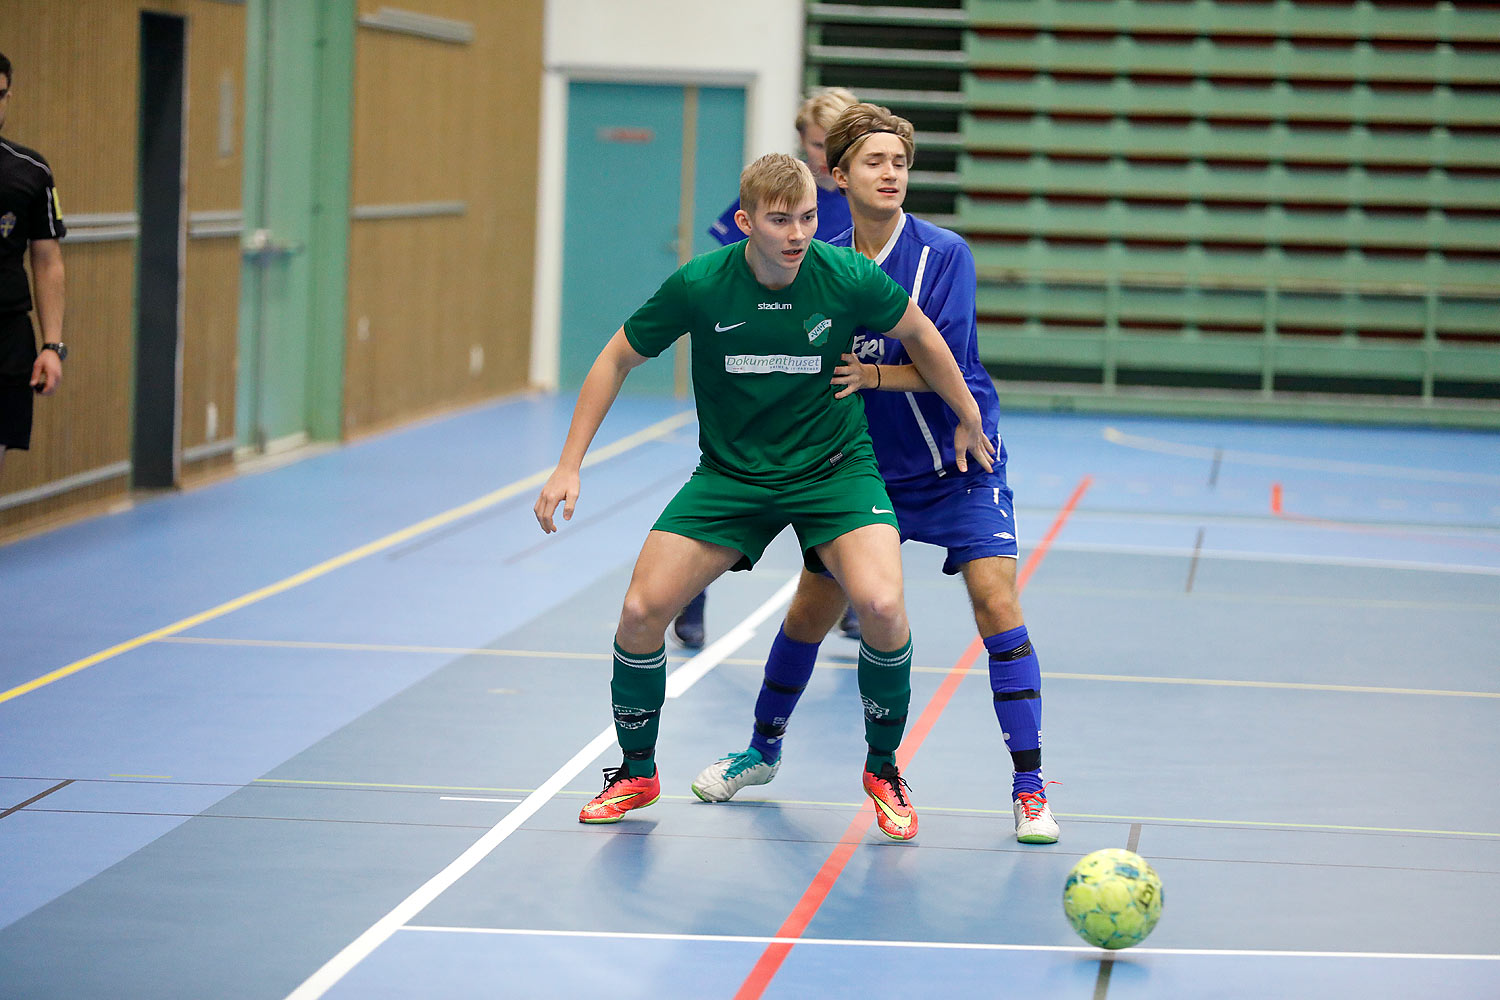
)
(968, 513)
(820, 110)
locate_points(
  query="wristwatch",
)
(59, 348)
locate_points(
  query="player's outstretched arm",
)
(600, 387)
(933, 360)
(854, 375)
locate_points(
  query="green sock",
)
(639, 689)
(885, 689)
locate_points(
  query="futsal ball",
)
(1113, 898)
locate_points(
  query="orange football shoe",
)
(621, 794)
(893, 811)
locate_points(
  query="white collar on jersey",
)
(890, 244)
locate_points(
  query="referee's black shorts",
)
(17, 356)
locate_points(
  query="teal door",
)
(298, 79)
(649, 167)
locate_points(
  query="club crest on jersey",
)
(7, 224)
(817, 327)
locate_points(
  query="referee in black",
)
(29, 219)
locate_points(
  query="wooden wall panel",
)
(67, 58)
(77, 82)
(86, 423)
(216, 72)
(210, 345)
(443, 122)
(435, 122)
(216, 56)
(75, 96)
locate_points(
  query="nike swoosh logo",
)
(899, 821)
(619, 798)
(877, 510)
(726, 329)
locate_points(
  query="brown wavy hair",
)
(860, 121)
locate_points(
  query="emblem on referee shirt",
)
(817, 327)
(7, 224)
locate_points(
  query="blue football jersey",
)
(833, 218)
(913, 431)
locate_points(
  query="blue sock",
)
(788, 668)
(1016, 680)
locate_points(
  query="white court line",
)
(327, 566)
(1116, 436)
(1418, 530)
(954, 945)
(678, 681)
(1276, 557)
(1271, 685)
(688, 674)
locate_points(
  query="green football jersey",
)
(762, 358)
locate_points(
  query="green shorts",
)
(712, 507)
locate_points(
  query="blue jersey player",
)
(969, 513)
(833, 217)
(820, 110)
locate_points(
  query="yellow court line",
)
(1180, 820)
(1267, 824)
(390, 785)
(1291, 826)
(541, 654)
(1277, 685)
(532, 481)
(372, 647)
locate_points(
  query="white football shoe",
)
(720, 780)
(1034, 822)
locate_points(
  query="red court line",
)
(1279, 510)
(822, 884)
(1040, 552)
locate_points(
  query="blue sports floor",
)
(324, 729)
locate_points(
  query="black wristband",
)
(877, 376)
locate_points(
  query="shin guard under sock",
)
(1016, 680)
(638, 689)
(788, 668)
(885, 690)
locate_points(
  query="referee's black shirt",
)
(28, 211)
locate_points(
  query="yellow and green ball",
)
(1113, 898)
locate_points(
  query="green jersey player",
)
(769, 320)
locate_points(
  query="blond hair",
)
(775, 179)
(823, 107)
(860, 121)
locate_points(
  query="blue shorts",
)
(970, 516)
